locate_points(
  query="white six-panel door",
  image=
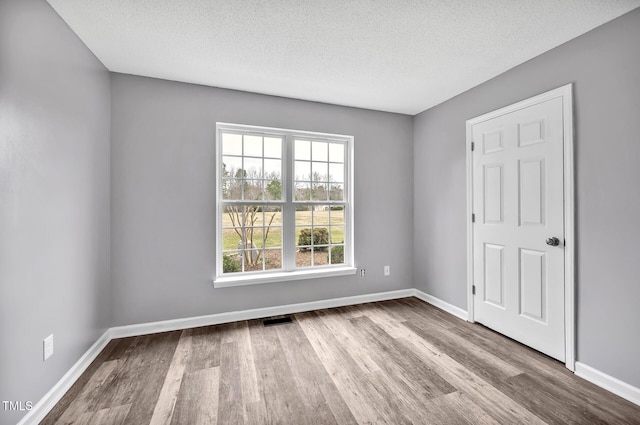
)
(518, 204)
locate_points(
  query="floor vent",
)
(277, 321)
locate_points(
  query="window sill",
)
(225, 282)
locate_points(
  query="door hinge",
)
(473, 146)
(473, 289)
(473, 218)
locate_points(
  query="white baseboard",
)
(608, 382)
(449, 308)
(235, 316)
(46, 403)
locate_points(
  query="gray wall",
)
(604, 66)
(163, 198)
(54, 199)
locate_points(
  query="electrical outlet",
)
(363, 272)
(387, 270)
(47, 347)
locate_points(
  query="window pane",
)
(336, 152)
(259, 215)
(231, 165)
(321, 215)
(303, 192)
(231, 262)
(336, 192)
(320, 257)
(273, 237)
(273, 259)
(232, 216)
(302, 149)
(253, 190)
(303, 258)
(336, 173)
(319, 192)
(255, 235)
(303, 170)
(272, 147)
(231, 238)
(320, 237)
(319, 171)
(232, 189)
(337, 215)
(303, 216)
(252, 258)
(336, 235)
(262, 229)
(304, 238)
(336, 254)
(253, 146)
(272, 168)
(320, 151)
(273, 190)
(253, 168)
(231, 144)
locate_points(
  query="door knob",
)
(553, 241)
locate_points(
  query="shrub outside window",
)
(284, 204)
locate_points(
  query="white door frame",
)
(564, 92)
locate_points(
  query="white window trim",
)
(280, 276)
(288, 242)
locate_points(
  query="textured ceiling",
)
(391, 55)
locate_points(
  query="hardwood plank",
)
(205, 351)
(108, 416)
(339, 367)
(173, 380)
(339, 408)
(413, 308)
(359, 353)
(78, 386)
(248, 374)
(382, 308)
(400, 362)
(230, 409)
(122, 347)
(486, 396)
(516, 354)
(283, 402)
(394, 362)
(349, 311)
(368, 399)
(538, 365)
(91, 390)
(556, 405)
(310, 377)
(394, 327)
(148, 370)
(464, 406)
(197, 402)
(454, 409)
(118, 389)
(482, 363)
(229, 332)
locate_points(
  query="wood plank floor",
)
(392, 362)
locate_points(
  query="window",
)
(284, 207)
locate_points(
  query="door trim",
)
(565, 93)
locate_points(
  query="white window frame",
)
(289, 272)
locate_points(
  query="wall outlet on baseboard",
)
(387, 270)
(363, 272)
(47, 347)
